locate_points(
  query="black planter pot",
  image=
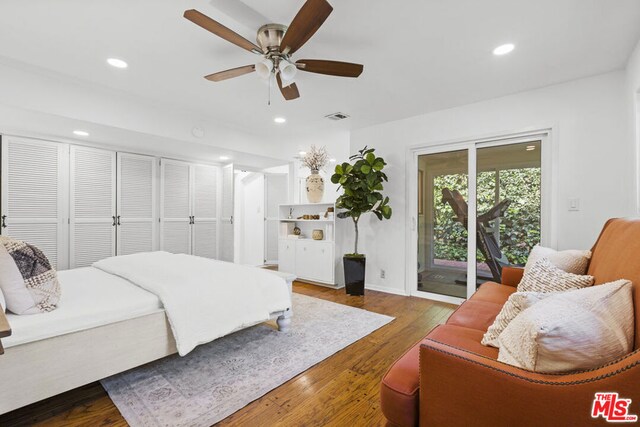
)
(354, 268)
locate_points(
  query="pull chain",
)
(269, 97)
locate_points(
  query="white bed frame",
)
(37, 370)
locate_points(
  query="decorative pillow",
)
(571, 261)
(28, 282)
(514, 305)
(545, 277)
(581, 329)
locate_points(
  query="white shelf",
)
(306, 220)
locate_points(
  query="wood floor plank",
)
(342, 390)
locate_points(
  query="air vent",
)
(337, 116)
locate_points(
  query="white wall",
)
(633, 102)
(595, 160)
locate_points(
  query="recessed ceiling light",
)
(332, 160)
(118, 63)
(503, 49)
(302, 153)
(531, 147)
(280, 120)
(224, 158)
(80, 133)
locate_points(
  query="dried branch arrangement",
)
(316, 158)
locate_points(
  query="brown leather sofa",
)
(450, 379)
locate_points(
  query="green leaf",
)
(371, 158)
(342, 179)
(365, 169)
(339, 170)
(378, 166)
(335, 178)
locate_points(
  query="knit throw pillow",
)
(572, 260)
(28, 282)
(570, 331)
(543, 276)
(514, 305)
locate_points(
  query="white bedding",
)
(90, 298)
(204, 299)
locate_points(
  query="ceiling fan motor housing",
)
(270, 36)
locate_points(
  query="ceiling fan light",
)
(288, 71)
(264, 68)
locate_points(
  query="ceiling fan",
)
(276, 44)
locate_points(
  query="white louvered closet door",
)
(92, 205)
(175, 206)
(137, 217)
(227, 244)
(276, 193)
(205, 211)
(34, 195)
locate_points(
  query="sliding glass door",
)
(480, 202)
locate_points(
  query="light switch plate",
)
(574, 204)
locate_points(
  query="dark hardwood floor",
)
(342, 390)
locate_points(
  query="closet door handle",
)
(231, 219)
(118, 217)
(115, 222)
(4, 221)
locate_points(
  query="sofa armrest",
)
(5, 329)
(511, 276)
(460, 388)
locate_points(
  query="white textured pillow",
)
(543, 276)
(570, 331)
(514, 305)
(28, 282)
(572, 260)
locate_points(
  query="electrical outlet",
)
(383, 274)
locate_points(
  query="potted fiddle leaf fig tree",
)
(361, 182)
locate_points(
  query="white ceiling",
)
(419, 55)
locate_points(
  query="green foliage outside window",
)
(519, 229)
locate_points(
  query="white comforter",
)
(204, 299)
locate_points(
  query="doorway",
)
(258, 197)
(479, 207)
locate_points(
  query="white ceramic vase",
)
(315, 187)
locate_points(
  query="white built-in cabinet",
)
(92, 197)
(35, 193)
(189, 208)
(318, 261)
(82, 204)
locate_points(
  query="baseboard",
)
(385, 290)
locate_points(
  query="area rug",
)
(217, 379)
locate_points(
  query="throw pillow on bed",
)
(543, 276)
(571, 261)
(28, 282)
(570, 331)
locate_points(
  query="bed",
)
(110, 320)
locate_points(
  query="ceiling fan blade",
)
(289, 92)
(229, 74)
(305, 24)
(220, 30)
(331, 68)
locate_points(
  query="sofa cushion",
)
(463, 338)
(475, 314)
(399, 391)
(493, 292)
